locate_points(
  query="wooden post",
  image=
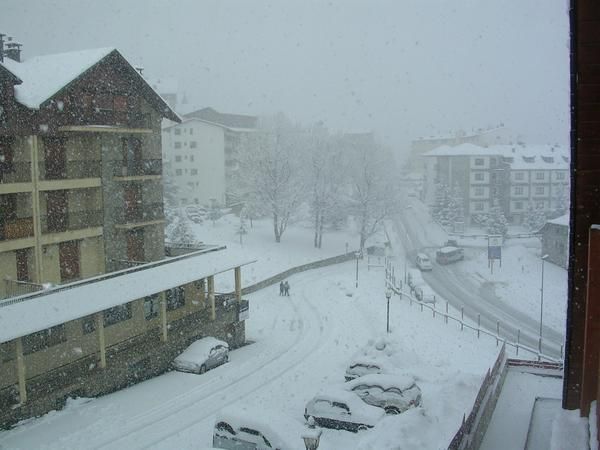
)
(164, 336)
(238, 283)
(211, 297)
(21, 370)
(101, 340)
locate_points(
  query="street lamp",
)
(357, 255)
(388, 295)
(542, 302)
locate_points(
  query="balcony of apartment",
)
(139, 215)
(70, 174)
(15, 177)
(133, 170)
(69, 225)
(109, 121)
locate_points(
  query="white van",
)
(423, 262)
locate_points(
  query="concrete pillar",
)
(211, 297)
(163, 317)
(202, 293)
(238, 283)
(21, 370)
(35, 206)
(101, 339)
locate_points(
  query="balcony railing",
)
(72, 170)
(76, 220)
(112, 118)
(15, 288)
(15, 172)
(16, 229)
(136, 168)
(143, 213)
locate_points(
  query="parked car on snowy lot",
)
(393, 393)
(360, 367)
(340, 409)
(202, 355)
(425, 294)
(193, 214)
(246, 428)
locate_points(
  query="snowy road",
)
(461, 291)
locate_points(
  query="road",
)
(462, 291)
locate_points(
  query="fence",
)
(391, 283)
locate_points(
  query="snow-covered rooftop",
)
(461, 150)
(35, 312)
(44, 76)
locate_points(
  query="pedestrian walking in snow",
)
(281, 288)
(286, 288)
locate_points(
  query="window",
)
(560, 175)
(539, 175)
(519, 176)
(177, 131)
(479, 161)
(7, 351)
(44, 339)
(518, 205)
(69, 257)
(23, 265)
(151, 305)
(178, 158)
(178, 171)
(88, 324)
(478, 206)
(191, 131)
(175, 298)
(478, 176)
(539, 190)
(193, 144)
(120, 103)
(177, 144)
(117, 314)
(518, 190)
(479, 191)
(194, 172)
(191, 156)
(540, 205)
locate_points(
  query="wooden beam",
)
(211, 297)
(238, 283)
(21, 370)
(164, 336)
(101, 339)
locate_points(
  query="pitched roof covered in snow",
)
(45, 76)
(30, 313)
(228, 120)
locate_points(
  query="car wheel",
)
(391, 410)
(227, 359)
(202, 368)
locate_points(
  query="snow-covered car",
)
(393, 393)
(423, 262)
(193, 214)
(414, 278)
(248, 428)
(337, 408)
(374, 357)
(202, 355)
(361, 367)
(425, 294)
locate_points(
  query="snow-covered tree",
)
(497, 223)
(534, 218)
(270, 173)
(440, 207)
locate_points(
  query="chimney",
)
(13, 51)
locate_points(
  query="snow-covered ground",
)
(301, 343)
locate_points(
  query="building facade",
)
(514, 177)
(201, 155)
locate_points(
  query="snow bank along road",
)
(294, 337)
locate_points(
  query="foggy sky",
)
(403, 68)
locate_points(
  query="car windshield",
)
(251, 205)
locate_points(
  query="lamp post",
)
(542, 302)
(357, 255)
(388, 295)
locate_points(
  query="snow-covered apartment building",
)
(88, 301)
(516, 176)
(201, 155)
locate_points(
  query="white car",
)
(364, 366)
(425, 294)
(340, 409)
(247, 428)
(393, 393)
(423, 262)
(202, 355)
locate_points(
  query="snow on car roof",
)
(385, 381)
(282, 431)
(200, 348)
(357, 407)
(447, 249)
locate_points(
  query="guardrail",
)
(391, 283)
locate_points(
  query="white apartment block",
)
(201, 155)
(514, 175)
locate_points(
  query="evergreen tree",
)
(497, 223)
